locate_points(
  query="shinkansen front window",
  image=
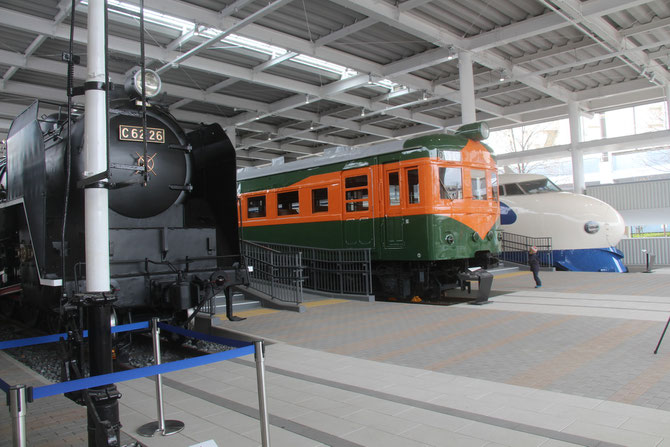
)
(288, 203)
(494, 185)
(478, 181)
(356, 194)
(451, 183)
(512, 189)
(539, 186)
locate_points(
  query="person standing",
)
(534, 262)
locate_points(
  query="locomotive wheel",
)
(28, 315)
(7, 306)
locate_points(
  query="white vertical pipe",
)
(95, 140)
(667, 103)
(577, 154)
(467, 82)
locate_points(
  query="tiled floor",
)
(571, 363)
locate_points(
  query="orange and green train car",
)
(427, 208)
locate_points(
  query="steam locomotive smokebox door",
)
(167, 167)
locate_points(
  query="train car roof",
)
(504, 179)
(333, 155)
(448, 142)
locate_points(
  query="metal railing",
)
(338, 271)
(514, 248)
(275, 273)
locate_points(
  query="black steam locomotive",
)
(172, 214)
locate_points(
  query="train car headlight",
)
(475, 236)
(449, 239)
(489, 235)
(475, 131)
(153, 83)
(591, 227)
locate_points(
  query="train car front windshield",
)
(538, 186)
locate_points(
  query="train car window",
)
(320, 200)
(494, 186)
(288, 203)
(451, 183)
(356, 182)
(394, 189)
(512, 189)
(356, 193)
(478, 181)
(256, 207)
(539, 186)
(413, 185)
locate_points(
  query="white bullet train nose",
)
(573, 221)
(583, 230)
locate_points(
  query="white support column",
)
(577, 155)
(468, 110)
(95, 150)
(667, 103)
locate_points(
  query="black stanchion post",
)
(259, 355)
(166, 428)
(662, 335)
(17, 409)
(104, 427)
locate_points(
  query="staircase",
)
(514, 249)
(240, 303)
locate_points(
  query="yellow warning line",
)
(511, 275)
(324, 302)
(263, 311)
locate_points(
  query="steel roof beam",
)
(645, 140)
(611, 37)
(408, 22)
(275, 61)
(230, 30)
(543, 24)
(202, 15)
(343, 32)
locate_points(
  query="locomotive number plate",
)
(136, 133)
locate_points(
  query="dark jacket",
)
(534, 262)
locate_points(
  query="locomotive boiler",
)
(172, 213)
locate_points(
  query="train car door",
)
(358, 205)
(393, 220)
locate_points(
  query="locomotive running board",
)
(9, 290)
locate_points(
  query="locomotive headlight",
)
(475, 236)
(591, 227)
(153, 83)
(449, 239)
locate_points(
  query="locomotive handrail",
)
(343, 271)
(514, 248)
